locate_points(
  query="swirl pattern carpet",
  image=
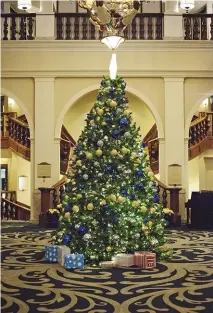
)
(183, 284)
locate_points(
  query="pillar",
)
(173, 25)
(162, 160)
(46, 147)
(174, 125)
(45, 21)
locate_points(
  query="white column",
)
(162, 160)
(209, 10)
(47, 148)
(45, 21)
(186, 167)
(173, 25)
(174, 125)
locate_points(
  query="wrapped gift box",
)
(74, 261)
(51, 254)
(145, 259)
(124, 259)
(62, 252)
(108, 264)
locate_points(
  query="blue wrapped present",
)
(51, 254)
(74, 261)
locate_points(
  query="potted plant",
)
(52, 218)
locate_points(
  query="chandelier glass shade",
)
(112, 42)
(187, 4)
(24, 4)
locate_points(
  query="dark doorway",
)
(4, 177)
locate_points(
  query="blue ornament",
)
(103, 83)
(108, 168)
(139, 186)
(67, 189)
(124, 192)
(123, 92)
(143, 145)
(67, 207)
(78, 148)
(115, 133)
(106, 206)
(82, 229)
(66, 239)
(95, 126)
(145, 220)
(114, 113)
(139, 173)
(115, 220)
(132, 196)
(108, 120)
(123, 121)
(99, 97)
(114, 176)
(90, 116)
(156, 199)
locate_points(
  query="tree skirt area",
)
(183, 284)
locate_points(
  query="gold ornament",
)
(112, 197)
(134, 155)
(100, 111)
(114, 152)
(99, 152)
(113, 103)
(103, 202)
(152, 210)
(67, 215)
(79, 196)
(90, 206)
(136, 203)
(150, 223)
(75, 209)
(92, 122)
(124, 150)
(108, 249)
(121, 199)
(78, 163)
(89, 155)
(143, 209)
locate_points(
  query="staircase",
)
(15, 135)
(200, 139)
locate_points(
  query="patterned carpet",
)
(184, 284)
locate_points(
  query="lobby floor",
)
(29, 284)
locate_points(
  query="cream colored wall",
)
(14, 107)
(196, 90)
(74, 119)
(23, 90)
(17, 166)
(151, 89)
(201, 172)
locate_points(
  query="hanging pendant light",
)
(187, 5)
(112, 42)
(24, 4)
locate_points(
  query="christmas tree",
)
(111, 204)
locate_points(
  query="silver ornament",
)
(137, 236)
(154, 242)
(85, 176)
(87, 237)
(100, 143)
(106, 138)
(96, 164)
(127, 134)
(100, 174)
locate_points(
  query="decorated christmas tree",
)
(111, 204)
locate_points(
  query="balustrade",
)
(10, 210)
(196, 26)
(153, 151)
(18, 26)
(76, 26)
(198, 130)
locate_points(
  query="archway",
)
(131, 90)
(17, 136)
(199, 152)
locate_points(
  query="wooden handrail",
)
(197, 121)
(11, 210)
(18, 14)
(17, 121)
(198, 15)
(18, 206)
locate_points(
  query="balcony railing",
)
(76, 26)
(196, 26)
(18, 26)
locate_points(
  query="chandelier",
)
(111, 17)
(187, 5)
(24, 4)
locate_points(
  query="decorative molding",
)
(174, 79)
(173, 38)
(95, 46)
(44, 38)
(44, 79)
(33, 73)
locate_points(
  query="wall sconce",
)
(22, 183)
